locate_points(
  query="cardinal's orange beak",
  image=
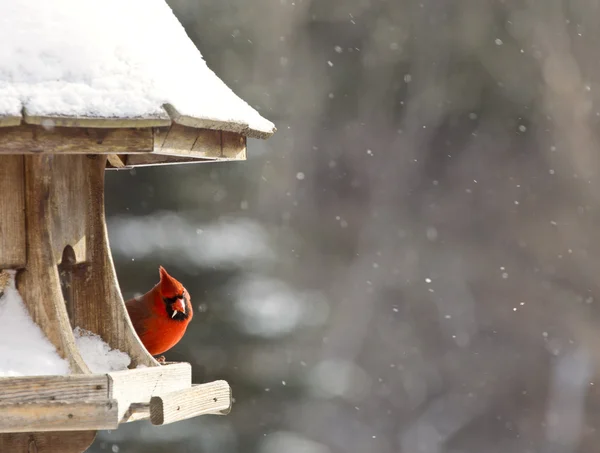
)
(178, 305)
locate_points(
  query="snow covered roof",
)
(111, 63)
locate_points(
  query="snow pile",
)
(24, 349)
(111, 58)
(98, 355)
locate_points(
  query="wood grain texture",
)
(209, 143)
(5, 279)
(96, 122)
(187, 141)
(180, 140)
(47, 442)
(116, 160)
(183, 145)
(52, 199)
(205, 123)
(233, 146)
(12, 212)
(53, 388)
(140, 385)
(136, 412)
(149, 160)
(211, 398)
(30, 139)
(8, 120)
(94, 296)
(58, 416)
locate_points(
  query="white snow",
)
(98, 355)
(24, 349)
(111, 59)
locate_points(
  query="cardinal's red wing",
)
(140, 313)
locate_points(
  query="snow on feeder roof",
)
(114, 64)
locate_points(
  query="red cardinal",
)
(161, 316)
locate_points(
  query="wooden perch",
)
(212, 398)
(101, 401)
(140, 385)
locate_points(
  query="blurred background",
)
(411, 263)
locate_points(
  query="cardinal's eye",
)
(172, 300)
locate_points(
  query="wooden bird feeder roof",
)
(115, 78)
(86, 86)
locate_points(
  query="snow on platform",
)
(24, 349)
(97, 354)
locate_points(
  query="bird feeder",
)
(88, 86)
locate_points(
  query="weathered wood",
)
(31, 139)
(126, 147)
(58, 415)
(64, 185)
(88, 121)
(233, 146)
(116, 160)
(8, 120)
(211, 398)
(5, 279)
(206, 123)
(209, 144)
(180, 140)
(94, 296)
(186, 141)
(47, 442)
(136, 412)
(183, 145)
(12, 212)
(148, 160)
(52, 388)
(53, 196)
(140, 385)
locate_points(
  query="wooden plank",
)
(233, 146)
(186, 141)
(208, 144)
(116, 160)
(96, 122)
(31, 139)
(160, 135)
(47, 442)
(211, 398)
(55, 200)
(53, 388)
(140, 385)
(58, 416)
(136, 412)
(68, 189)
(149, 160)
(12, 212)
(181, 144)
(179, 140)
(206, 123)
(9, 120)
(93, 296)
